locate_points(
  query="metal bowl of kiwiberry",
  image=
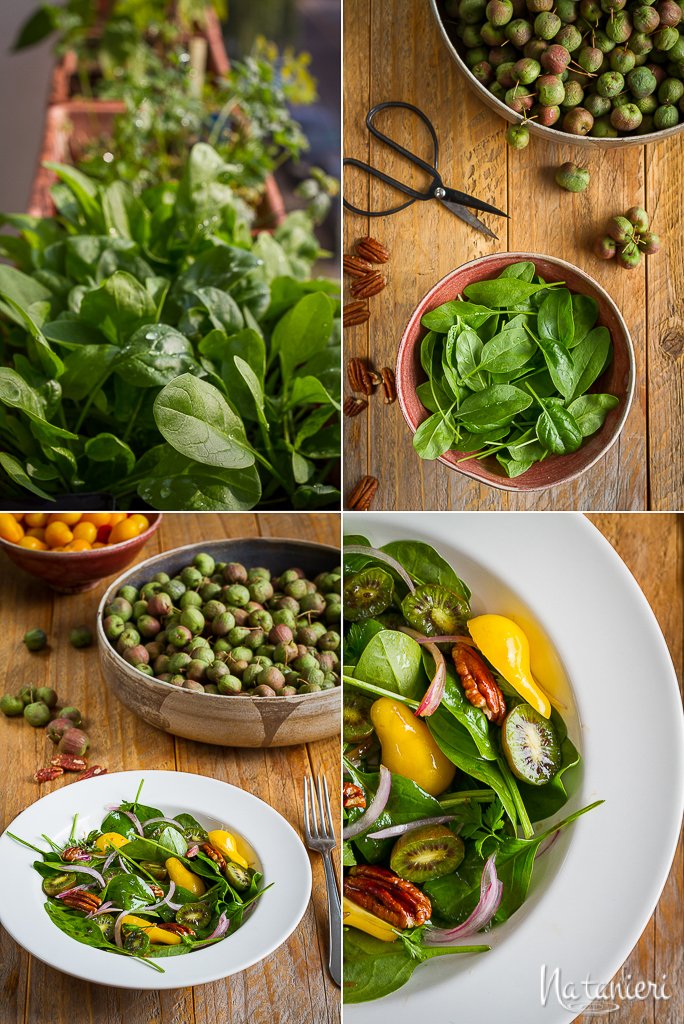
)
(516, 370)
(606, 73)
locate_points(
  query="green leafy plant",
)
(508, 370)
(154, 348)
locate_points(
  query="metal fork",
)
(323, 842)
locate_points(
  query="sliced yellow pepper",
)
(506, 646)
(408, 748)
(226, 843)
(179, 874)
(110, 839)
(153, 933)
(364, 921)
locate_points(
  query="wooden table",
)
(291, 984)
(652, 547)
(393, 51)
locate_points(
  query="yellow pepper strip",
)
(357, 917)
(506, 646)
(153, 933)
(179, 874)
(225, 842)
(408, 748)
(107, 840)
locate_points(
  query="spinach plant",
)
(152, 347)
(509, 368)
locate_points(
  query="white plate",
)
(275, 849)
(594, 891)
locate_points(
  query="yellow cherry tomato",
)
(10, 529)
(107, 840)
(141, 521)
(125, 530)
(506, 646)
(227, 844)
(153, 933)
(70, 518)
(98, 544)
(36, 531)
(85, 531)
(179, 874)
(96, 518)
(34, 519)
(357, 917)
(57, 533)
(78, 545)
(408, 748)
(33, 544)
(117, 517)
(18, 516)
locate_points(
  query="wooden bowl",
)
(551, 134)
(617, 379)
(70, 572)
(228, 721)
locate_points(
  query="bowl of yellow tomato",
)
(73, 551)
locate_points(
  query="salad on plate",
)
(454, 759)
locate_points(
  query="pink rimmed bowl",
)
(618, 379)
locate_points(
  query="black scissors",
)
(452, 198)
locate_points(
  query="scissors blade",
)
(469, 218)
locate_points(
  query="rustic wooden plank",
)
(665, 308)
(652, 546)
(290, 985)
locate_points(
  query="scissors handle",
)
(400, 186)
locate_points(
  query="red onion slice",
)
(102, 909)
(400, 830)
(222, 926)
(124, 866)
(136, 822)
(167, 821)
(435, 691)
(118, 924)
(374, 809)
(109, 860)
(75, 888)
(445, 640)
(361, 549)
(88, 871)
(156, 906)
(491, 891)
(192, 851)
(547, 843)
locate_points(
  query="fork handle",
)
(334, 921)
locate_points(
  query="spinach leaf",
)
(78, 927)
(197, 421)
(468, 353)
(173, 481)
(590, 358)
(560, 365)
(129, 892)
(118, 307)
(555, 321)
(492, 407)
(471, 718)
(585, 314)
(501, 292)
(303, 331)
(557, 428)
(425, 565)
(393, 660)
(445, 316)
(153, 356)
(590, 411)
(17, 394)
(434, 436)
(18, 473)
(509, 350)
(525, 271)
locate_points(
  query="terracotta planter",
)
(72, 120)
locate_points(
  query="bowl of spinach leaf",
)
(516, 370)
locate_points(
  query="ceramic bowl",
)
(70, 572)
(550, 134)
(617, 379)
(229, 721)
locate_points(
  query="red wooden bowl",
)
(70, 572)
(617, 379)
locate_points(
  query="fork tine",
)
(314, 818)
(307, 815)
(325, 826)
(327, 804)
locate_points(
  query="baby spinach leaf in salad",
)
(508, 370)
(452, 753)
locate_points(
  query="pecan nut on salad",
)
(453, 751)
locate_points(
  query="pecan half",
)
(48, 774)
(213, 854)
(81, 900)
(368, 285)
(362, 376)
(354, 405)
(362, 496)
(74, 853)
(355, 266)
(370, 249)
(177, 929)
(389, 385)
(355, 313)
(69, 762)
(93, 772)
(157, 890)
(387, 895)
(479, 684)
(353, 796)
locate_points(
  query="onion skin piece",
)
(491, 892)
(374, 809)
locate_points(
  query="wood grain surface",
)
(289, 987)
(652, 547)
(393, 51)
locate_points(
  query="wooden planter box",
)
(72, 121)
